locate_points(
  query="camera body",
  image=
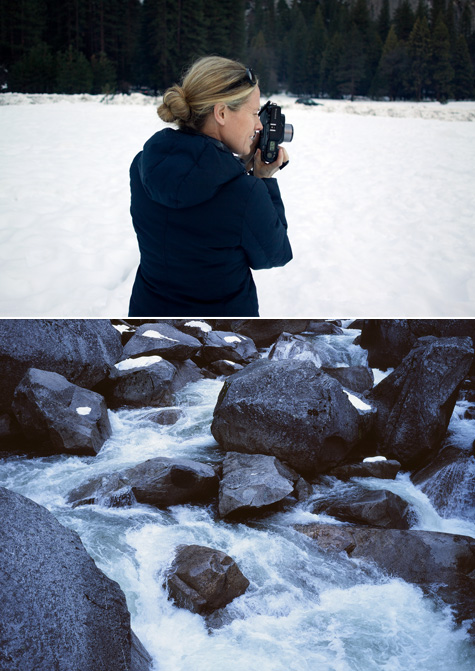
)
(274, 131)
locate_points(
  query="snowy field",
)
(380, 200)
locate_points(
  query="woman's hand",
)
(265, 170)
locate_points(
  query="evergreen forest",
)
(333, 48)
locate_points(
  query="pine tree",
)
(442, 70)
(404, 20)
(316, 47)
(330, 61)
(463, 81)
(74, 72)
(298, 42)
(35, 72)
(420, 55)
(392, 69)
(351, 67)
(104, 74)
(384, 21)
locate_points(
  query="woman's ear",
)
(220, 113)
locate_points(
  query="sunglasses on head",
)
(248, 78)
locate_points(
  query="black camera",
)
(274, 131)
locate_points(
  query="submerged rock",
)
(416, 401)
(288, 409)
(252, 482)
(442, 564)
(58, 610)
(219, 345)
(58, 416)
(203, 580)
(385, 469)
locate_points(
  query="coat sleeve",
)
(264, 233)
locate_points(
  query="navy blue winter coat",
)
(202, 223)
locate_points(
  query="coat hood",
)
(180, 169)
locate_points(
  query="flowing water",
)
(305, 610)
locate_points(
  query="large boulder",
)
(442, 564)
(389, 340)
(160, 482)
(356, 378)
(379, 467)
(57, 416)
(161, 339)
(252, 483)
(139, 382)
(165, 481)
(80, 349)
(203, 580)
(288, 409)
(378, 508)
(416, 401)
(58, 610)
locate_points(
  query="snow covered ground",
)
(379, 196)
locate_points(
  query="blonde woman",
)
(202, 221)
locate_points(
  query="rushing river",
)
(305, 610)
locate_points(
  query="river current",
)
(305, 609)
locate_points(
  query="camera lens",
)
(288, 132)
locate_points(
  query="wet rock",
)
(166, 416)
(264, 332)
(388, 341)
(161, 339)
(186, 372)
(57, 416)
(379, 508)
(356, 378)
(287, 409)
(416, 401)
(323, 328)
(218, 345)
(385, 469)
(224, 367)
(164, 481)
(139, 382)
(442, 564)
(203, 580)
(195, 327)
(110, 490)
(58, 610)
(253, 482)
(289, 346)
(80, 349)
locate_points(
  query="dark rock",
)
(161, 339)
(323, 328)
(442, 564)
(58, 610)
(197, 328)
(385, 469)
(224, 367)
(202, 579)
(147, 382)
(252, 482)
(226, 345)
(163, 481)
(264, 332)
(389, 340)
(379, 508)
(166, 416)
(288, 409)
(416, 401)
(110, 490)
(80, 349)
(449, 482)
(186, 372)
(356, 378)
(57, 416)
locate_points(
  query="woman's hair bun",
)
(174, 106)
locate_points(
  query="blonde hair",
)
(210, 80)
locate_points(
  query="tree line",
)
(329, 48)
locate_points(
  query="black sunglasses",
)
(248, 78)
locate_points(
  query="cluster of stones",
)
(286, 423)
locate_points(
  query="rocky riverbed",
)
(252, 493)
